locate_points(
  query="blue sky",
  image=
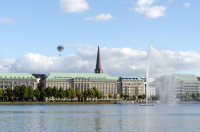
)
(38, 26)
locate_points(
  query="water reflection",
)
(99, 118)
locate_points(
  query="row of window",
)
(16, 83)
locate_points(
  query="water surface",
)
(99, 118)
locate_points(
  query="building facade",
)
(132, 86)
(84, 81)
(10, 80)
(186, 83)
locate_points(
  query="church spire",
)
(98, 63)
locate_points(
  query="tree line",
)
(188, 96)
(24, 93)
(133, 97)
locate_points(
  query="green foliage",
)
(121, 95)
(187, 96)
(109, 95)
(55, 92)
(140, 97)
(37, 93)
(61, 93)
(1, 93)
(68, 93)
(85, 95)
(23, 92)
(73, 92)
(198, 95)
(194, 96)
(153, 97)
(49, 92)
(126, 96)
(9, 93)
(115, 96)
(144, 96)
(98, 93)
(134, 97)
(42, 94)
(91, 93)
(79, 94)
(30, 93)
(16, 91)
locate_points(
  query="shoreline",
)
(52, 103)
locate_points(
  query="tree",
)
(126, 96)
(115, 96)
(109, 95)
(91, 93)
(121, 95)
(194, 96)
(9, 93)
(98, 93)
(49, 92)
(42, 94)
(68, 93)
(153, 97)
(23, 92)
(187, 96)
(1, 93)
(140, 97)
(16, 92)
(144, 96)
(73, 92)
(30, 93)
(78, 94)
(85, 95)
(55, 92)
(198, 95)
(61, 93)
(134, 97)
(37, 93)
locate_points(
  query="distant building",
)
(84, 81)
(133, 86)
(10, 80)
(151, 87)
(103, 82)
(186, 83)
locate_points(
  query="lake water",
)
(99, 118)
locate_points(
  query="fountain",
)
(147, 80)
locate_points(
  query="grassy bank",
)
(51, 103)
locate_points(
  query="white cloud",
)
(100, 17)
(147, 9)
(115, 61)
(5, 64)
(151, 12)
(186, 5)
(145, 2)
(7, 21)
(72, 6)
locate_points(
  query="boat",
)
(146, 104)
(127, 101)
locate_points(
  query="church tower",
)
(98, 63)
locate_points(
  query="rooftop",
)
(16, 75)
(186, 78)
(81, 75)
(131, 78)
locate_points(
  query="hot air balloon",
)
(60, 48)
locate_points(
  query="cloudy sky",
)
(31, 30)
